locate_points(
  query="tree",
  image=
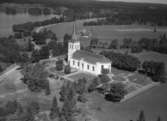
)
(114, 44)
(136, 47)
(67, 111)
(35, 77)
(156, 70)
(67, 37)
(9, 49)
(104, 78)
(57, 48)
(126, 43)
(44, 52)
(54, 111)
(41, 37)
(35, 56)
(82, 98)
(19, 110)
(27, 115)
(159, 118)
(88, 49)
(11, 107)
(163, 44)
(47, 88)
(67, 69)
(59, 65)
(33, 107)
(122, 61)
(116, 92)
(141, 116)
(1, 69)
(46, 11)
(52, 44)
(69, 106)
(24, 58)
(62, 118)
(160, 74)
(63, 92)
(81, 86)
(94, 42)
(93, 85)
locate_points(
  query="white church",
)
(84, 60)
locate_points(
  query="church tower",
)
(73, 44)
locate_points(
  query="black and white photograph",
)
(83, 60)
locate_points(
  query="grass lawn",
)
(118, 78)
(81, 75)
(153, 102)
(11, 83)
(130, 88)
(140, 79)
(119, 72)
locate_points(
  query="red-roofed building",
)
(84, 60)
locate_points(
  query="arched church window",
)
(93, 68)
(88, 67)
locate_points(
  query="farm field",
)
(109, 32)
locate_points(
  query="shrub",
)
(67, 69)
(156, 70)
(9, 108)
(104, 78)
(81, 86)
(114, 44)
(1, 69)
(141, 116)
(93, 85)
(82, 98)
(54, 111)
(122, 61)
(136, 47)
(59, 65)
(116, 93)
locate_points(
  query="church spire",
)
(74, 34)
